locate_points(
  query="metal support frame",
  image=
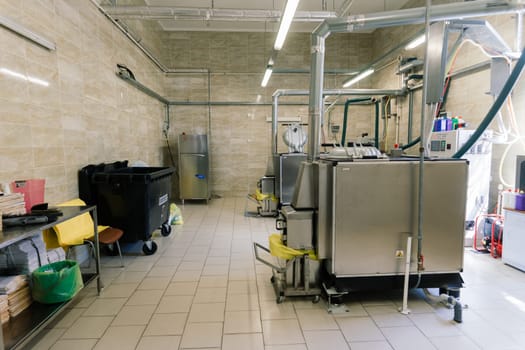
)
(380, 20)
(327, 92)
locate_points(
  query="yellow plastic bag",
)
(278, 249)
(175, 215)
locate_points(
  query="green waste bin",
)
(56, 282)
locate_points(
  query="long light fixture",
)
(24, 77)
(286, 21)
(267, 75)
(358, 77)
(416, 42)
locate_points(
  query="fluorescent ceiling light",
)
(286, 21)
(416, 42)
(360, 76)
(24, 77)
(266, 78)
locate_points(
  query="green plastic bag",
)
(57, 282)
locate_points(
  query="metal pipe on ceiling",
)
(381, 20)
(207, 14)
(326, 92)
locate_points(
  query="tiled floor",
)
(203, 289)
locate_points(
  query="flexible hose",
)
(411, 143)
(345, 116)
(493, 111)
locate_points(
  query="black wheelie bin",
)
(136, 200)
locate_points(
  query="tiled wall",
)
(86, 115)
(240, 135)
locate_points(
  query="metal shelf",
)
(19, 330)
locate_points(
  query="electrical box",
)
(443, 144)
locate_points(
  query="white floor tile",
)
(242, 287)
(220, 281)
(376, 345)
(407, 338)
(286, 347)
(174, 303)
(210, 295)
(145, 297)
(162, 271)
(434, 325)
(242, 322)
(187, 276)
(119, 290)
(193, 336)
(67, 318)
(105, 307)
(166, 324)
(270, 310)
(122, 338)
(130, 276)
(181, 288)
(77, 344)
(282, 332)
(159, 343)
(322, 340)
(149, 283)
(253, 341)
(88, 327)
(392, 320)
(316, 319)
(459, 342)
(356, 329)
(134, 315)
(209, 312)
(242, 302)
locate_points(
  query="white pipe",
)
(405, 310)
(326, 92)
(207, 14)
(26, 33)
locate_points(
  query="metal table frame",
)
(46, 313)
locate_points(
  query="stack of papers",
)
(4, 309)
(19, 300)
(25, 256)
(12, 204)
(16, 296)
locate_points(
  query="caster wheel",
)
(316, 299)
(280, 299)
(165, 229)
(149, 248)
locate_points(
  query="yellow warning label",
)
(400, 253)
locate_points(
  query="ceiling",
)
(241, 15)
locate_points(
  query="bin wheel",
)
(149, 250)
(280, 299)
(165, 229)
(316, 299)
(272, 279)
